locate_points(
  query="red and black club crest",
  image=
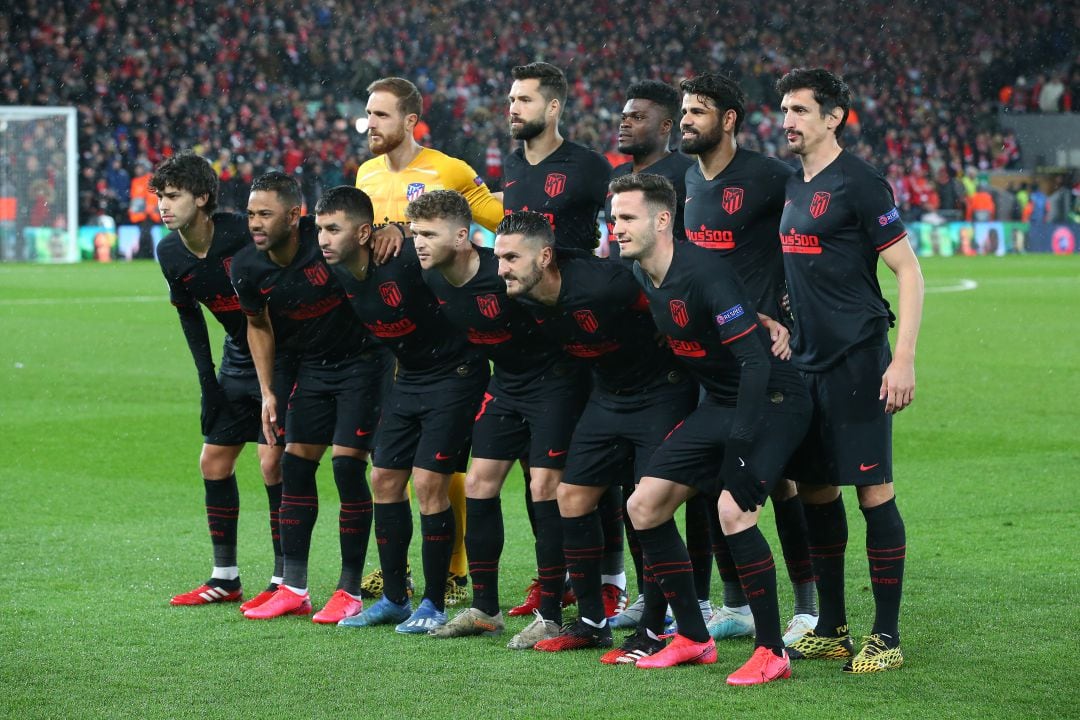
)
(586, 320)
(732, 200)
(489, 306)
(819, 204)
(390, 293)
(317, 274)
(227, 264)
(678, 312)
(554, 184)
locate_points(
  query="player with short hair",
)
(195, 258)
(529, 411)
(596, 310)
(734, 198)
(734, 445)
(294, 303)
(400, 172)
(839, 217)
(427, 415)
(562, 180)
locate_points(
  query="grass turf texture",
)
(103, 522)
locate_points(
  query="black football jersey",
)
(737, 214)
(498, 326)
(399, 309)
(568, 187)
(602, 317)
(195, 281)
(831, 232)
(308, 308)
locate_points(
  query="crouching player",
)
(755, 413)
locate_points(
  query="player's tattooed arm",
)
(898, 382)
(260, 334)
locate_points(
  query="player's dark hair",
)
(190, 172)
(286, 187)
(440, 205)
(352, 201)
(724, 92)
(660, 93)
(830, 90)
(552, 80)
(658, 190)
(408, 96)
(534, 226)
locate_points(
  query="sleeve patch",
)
(889, 217)
(478, 181)
(730, 314)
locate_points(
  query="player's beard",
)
(526, 283)
(701, 143)
(529, 130)
(387, 143)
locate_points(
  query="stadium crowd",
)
(277, 84)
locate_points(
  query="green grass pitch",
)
(101, 522)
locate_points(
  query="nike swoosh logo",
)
(509, 183)
(866, 468)
(440, 456)
(742, 463)
(877, 568)
(688, 199)
(362, 433)
(556, 453)
(266, 291)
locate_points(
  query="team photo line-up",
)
(731, 349)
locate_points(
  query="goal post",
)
(39, 192)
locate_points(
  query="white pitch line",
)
(86, 300)
(962, 286)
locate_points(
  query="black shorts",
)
(535, 424)
(694, 451)
(430, 426)
(240, 421)
(850, 436)
(340, 405)
(616, 430)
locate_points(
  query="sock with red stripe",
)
(791, 528)
(699, 544)
(354, 520)
(222, 511)
(393, 533)
(725, 565)
(484, 538)
(273, 495)
(757, 572)
(299, 511)
(886, 548)
(666, 558)
(583, 543)
(827, 534)
(437, 531)
(655, 612)
(550, 562)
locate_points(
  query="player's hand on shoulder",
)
(386, 243)
(898, 385)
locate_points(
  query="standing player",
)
(734, 198)
(754, 414)
(425, 426)
(400, 172)
(293, 303)
(839, 217)
(596, 310)
(195, 259)
(529, 411)
(563, 181)
(648, 118)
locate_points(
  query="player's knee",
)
(784, 490)
(431, 492)
(387, 486)
(874, 495)
(732, 518)
(544, 484)
(641, 512)
(818, 494)
(270, 466)
(216, 463)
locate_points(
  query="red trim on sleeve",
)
(747, 331)
(641, 304)
(892, 242)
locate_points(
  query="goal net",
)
(38, 184)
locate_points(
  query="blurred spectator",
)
(980, 206)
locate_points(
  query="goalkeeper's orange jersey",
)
(430, 170)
